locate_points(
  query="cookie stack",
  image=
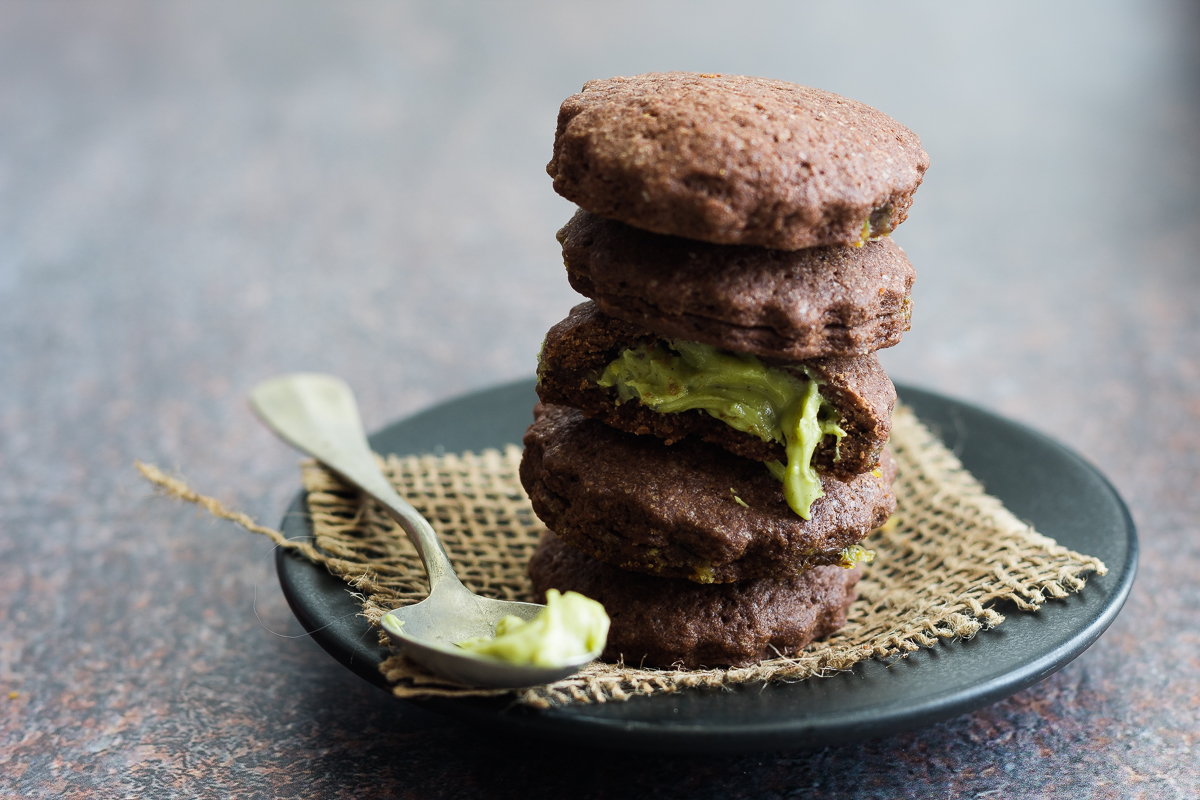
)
(709, 448)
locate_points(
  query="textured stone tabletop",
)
(198, 195)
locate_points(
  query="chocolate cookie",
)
(735, 160)
(786, 304)
(689, 510)
(577, 349)
(660, 622)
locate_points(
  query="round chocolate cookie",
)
(577, 349)
(786, 304)
(688, 510)
(735, 160)
(663, 622)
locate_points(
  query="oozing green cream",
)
(570, 625)
(741, 391)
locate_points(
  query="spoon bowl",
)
(429, 630)
(317, 414)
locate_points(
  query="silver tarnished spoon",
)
(317, 414)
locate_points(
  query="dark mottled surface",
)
(194, 196)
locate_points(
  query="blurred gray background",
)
(195, 196)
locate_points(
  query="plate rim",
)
(711, 735)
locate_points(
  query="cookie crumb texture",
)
(735, 160)
(660, 622)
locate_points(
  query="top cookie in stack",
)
(735, 160)
(716, 412)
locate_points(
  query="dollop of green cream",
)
(741, 391)
(570, 626)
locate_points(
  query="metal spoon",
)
(317, 414)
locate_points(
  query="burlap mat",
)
(945, 558)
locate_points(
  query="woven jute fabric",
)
(943, 561)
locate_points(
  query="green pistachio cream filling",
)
(741, 391)
(570, 626)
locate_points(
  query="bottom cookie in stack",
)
(693, 551)
(674, 622)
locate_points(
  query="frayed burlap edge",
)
(948, 555)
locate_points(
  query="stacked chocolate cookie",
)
(710, 443)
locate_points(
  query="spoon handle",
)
(318, 415)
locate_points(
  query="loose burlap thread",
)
(945, 559)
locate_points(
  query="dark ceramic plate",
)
(1038, 479)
